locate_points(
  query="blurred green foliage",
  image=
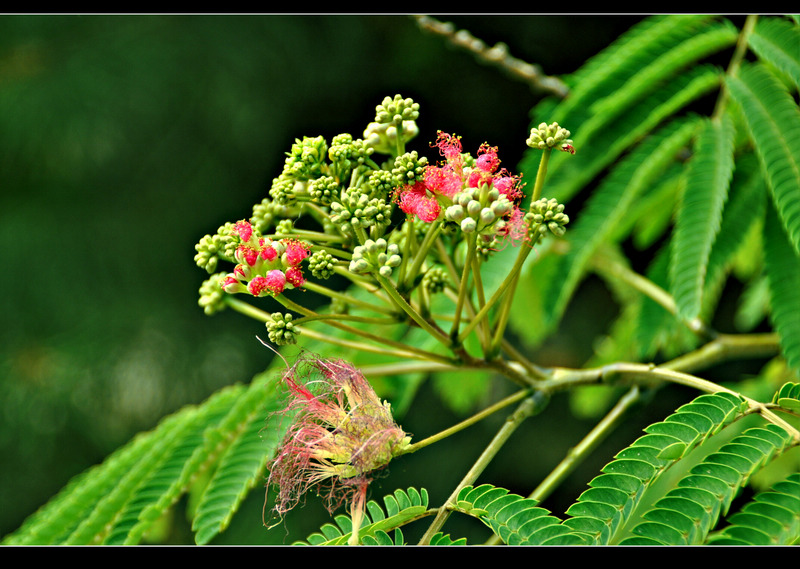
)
(123, 139)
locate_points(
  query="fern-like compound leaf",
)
(778, 41)
(402, 507)
(772, 517)
(685, 514)
(698, 221)
(514, 519)
(609, 204)
(117, 500)
(603, 510)
(242, 456)
(783, 277)
(772, 118)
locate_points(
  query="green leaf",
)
(783, 273)
(608, 204)
(708, 176)
(778, 42)
(243, 447)
(772, 118)
(402, 507)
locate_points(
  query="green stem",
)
(604, 263)
(734, 64)
(523, 411)
(476, 278)
(591, 441)
(507, 282)
(462, 290)
(421, 253)
(541, 173)
(514, 398)
(319, 289)
(424, 354)
(351, 317)
(408, 309)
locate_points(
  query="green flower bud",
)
(546, 214)
(281, 330)
(359, 266)
(468, 225)
(285, 227)
(321, 264)
(306, 159)
(487, 216)
(455, 213)
(266, 213)
(212, 295)
(324, 190)
(550, 136)
(409, 168)
(474, 208)
(396, 110)
(435, 280)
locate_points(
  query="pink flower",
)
(231, 285)
(246, 254)
(243, 229)
(340, 434)
(414, 200)
(295, 252)
(509, 185)
(295, 276)
(275, 281)
(515, 230)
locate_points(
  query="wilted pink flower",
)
(340, 434)
(515, 229)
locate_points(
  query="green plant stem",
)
(486, 333)
(510, 278)
(577, 454)
(523, 411)
(398, 368)
(532, 369)
(604, 263)
(408, 309)
(325, 291)
(514, 398)
(590, 442)
(430, 237)
(733, 65)
(462, 289)
(350, 317)
(541, 174)
(373, 337)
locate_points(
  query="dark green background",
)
(124, 139)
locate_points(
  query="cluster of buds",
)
(264, 267)
(395, 121)
(341, 433)
(550, 136)
(546, 214)
(281, 329)
(476, 210)
(377, 256)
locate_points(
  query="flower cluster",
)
(264, 267)
(459, 180)
(340, 434)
